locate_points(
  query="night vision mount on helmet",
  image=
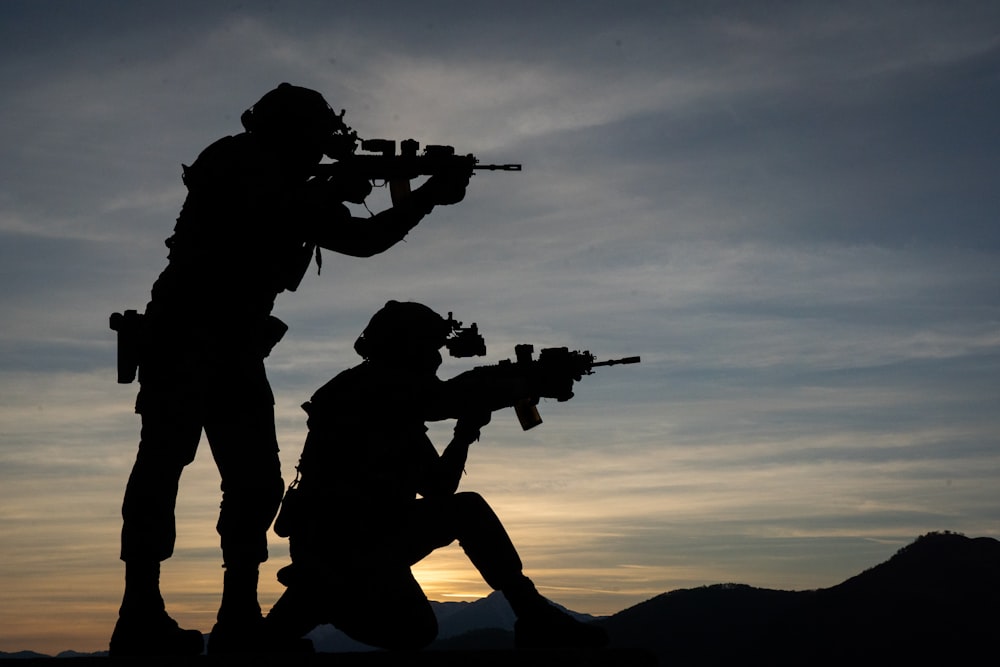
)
(399, 325)
(294, 110)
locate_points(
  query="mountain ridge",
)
(938, 597)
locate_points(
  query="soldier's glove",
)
(445, 188)
(549, 386)
(467, 427)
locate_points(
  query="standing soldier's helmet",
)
(401, 328)
(293, 113)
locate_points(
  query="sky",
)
(788, 210)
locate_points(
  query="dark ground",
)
(582, 658)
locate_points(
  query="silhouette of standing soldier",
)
(354, 520)
(249, 227)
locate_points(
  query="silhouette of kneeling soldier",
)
(250, 225)
(354, 518)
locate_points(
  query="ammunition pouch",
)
(131, 336)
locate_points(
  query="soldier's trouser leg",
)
(245, 448)
(381, 605)
(168, 442)
(373, 599)
(468, 518)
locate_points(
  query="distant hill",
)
(939, 596)
(936, 599)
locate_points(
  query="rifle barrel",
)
(498, 167)
(615, 362)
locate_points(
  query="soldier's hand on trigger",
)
(332, 192)
(355, 190)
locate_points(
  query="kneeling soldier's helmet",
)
(402, 328)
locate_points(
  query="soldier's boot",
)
(541, 625)
(144, 628)
(240, 627)
(291, 617)
(239, 621)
